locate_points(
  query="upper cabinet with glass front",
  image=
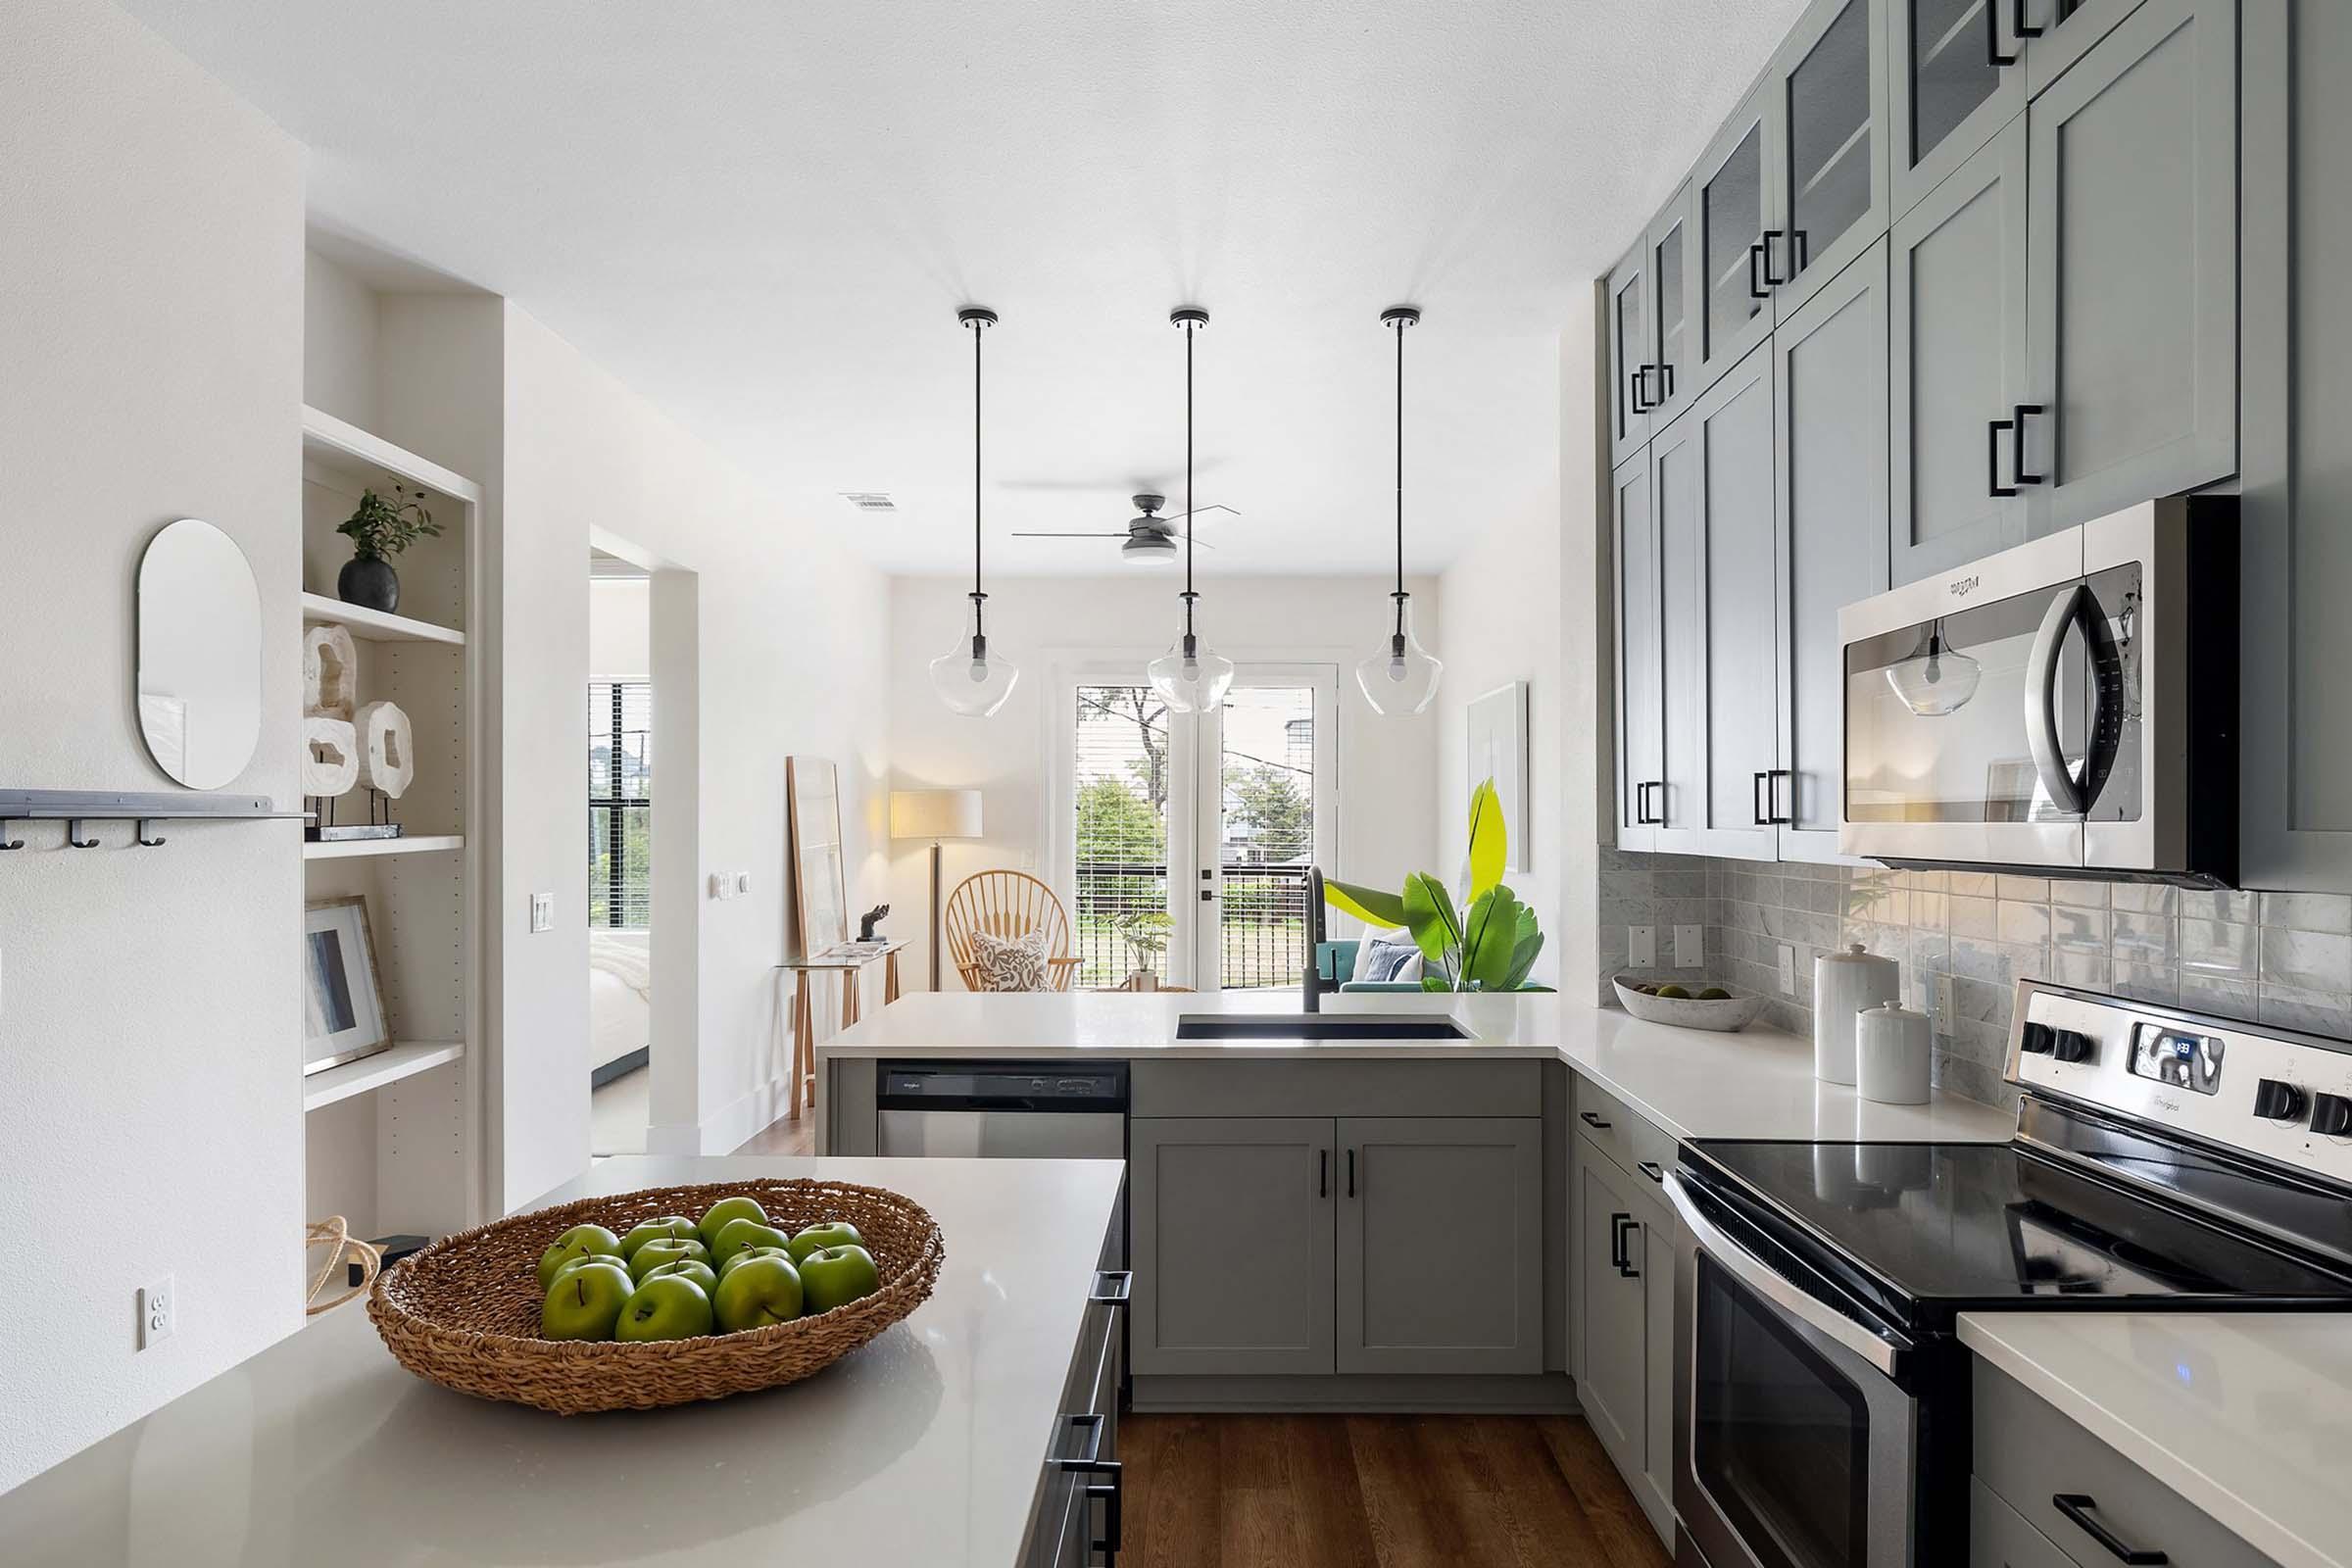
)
(1650, 342)
(1963, 69)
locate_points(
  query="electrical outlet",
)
(1940, 1002)
(1787, 969)
(1641, 946)
(543, 912)
(158, 1311)
(1690, 948)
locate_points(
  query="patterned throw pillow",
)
(1010, 963)
(1388, 959)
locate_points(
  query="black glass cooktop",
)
(1928, 1229)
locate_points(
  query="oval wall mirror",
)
(200, 653)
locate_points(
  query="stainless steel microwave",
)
(2069, 706)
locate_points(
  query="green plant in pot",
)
(378, 530)
(1489, 941)
(1146, 934)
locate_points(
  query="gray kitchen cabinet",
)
(2131, 268)
(1632, 348)
(1829, 521)
(1441, 1245)
(2296, 782)
(1612, 1321)
(1998, 1536)
(1957, 364)
(1673, 294)
(1641, 717)
(1732, 203)
(1829, 99)
(2059, 32)
(1714, 488)
(1234, 1231)
(1651, 1253)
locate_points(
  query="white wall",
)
(340, 331)
(150, 1090)
(620, 631)
(1387, 769)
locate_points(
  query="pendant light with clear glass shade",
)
(1189, 677)
(971, 677)
(1937, 679)
(1402, 677)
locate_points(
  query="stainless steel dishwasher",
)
(1003, 1110)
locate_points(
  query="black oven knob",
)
(2036, 1038)
(2330, 1115)
(2274, 1101)
(2073, 1045)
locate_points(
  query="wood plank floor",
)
(1375, 1492)
(784, 1137)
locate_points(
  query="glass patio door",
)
(1264, 784)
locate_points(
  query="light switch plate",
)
(743, 882)
(1690, 948)
(1787, 956)
(543, 912)
(1641, 947)
(158, 1311)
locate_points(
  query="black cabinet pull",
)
(2018, 26)
(1089, 1459)
(1754, 292)
(2017, 439)
(1665, 383)
(1771, 280)
(1592, 1122)
(1352, 1173)
(2076, 1507)
(1992, 457)
(1634, 384)
(1763, 791)
(1799, 257)
(1322, 1173)
(1992, 38)
(1107, 1493)
(1617, 1241)
(1624, 1236)
(1114, 1286)
(1652, 1170)
(1644, 815)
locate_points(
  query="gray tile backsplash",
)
(2272, 957)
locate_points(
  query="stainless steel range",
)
(2165, 1159)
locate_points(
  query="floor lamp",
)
(937, 816)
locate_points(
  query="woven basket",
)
(464, 1311)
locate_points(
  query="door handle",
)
(1653, 1170)
(2041, 699)
(1589, 1119)
(1993, 37)
(1770, 280)
(1753, 292)
(1107, 1493)
(1641, 384)
(1617, 1241)
(1208, 896)
(1992, 457)
(1763, 799)
(1322, 1173)
(2017, 441)
(1625, 1235)
(1352, 1173)
(2016, 22)
(2076, 1507)
(1665, 383)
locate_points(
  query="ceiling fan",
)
(1150, 539)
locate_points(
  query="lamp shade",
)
(934, 814)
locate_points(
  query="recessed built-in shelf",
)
(356, 849)
(339, 444)
(375, 625)
(405, 1060)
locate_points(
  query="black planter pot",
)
(368, 582)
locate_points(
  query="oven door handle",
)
(1882, 1348)
(2070, 605)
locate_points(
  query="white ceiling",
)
(763, 217)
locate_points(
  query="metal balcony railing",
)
(1261, 927)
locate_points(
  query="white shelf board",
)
(354, 849)
(405, 1060)
(338, 440)
(375, 625)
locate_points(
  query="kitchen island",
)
(929, 1445)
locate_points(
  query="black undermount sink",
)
(1319, 1026)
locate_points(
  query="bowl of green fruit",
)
(1688, 1005)
(660, 1297)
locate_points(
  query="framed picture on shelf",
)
(343, 1006)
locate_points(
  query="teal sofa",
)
(1335, 960)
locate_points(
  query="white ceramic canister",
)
(1892, 1055)
(1843, 985)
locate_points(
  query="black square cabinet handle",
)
(2078, 1506)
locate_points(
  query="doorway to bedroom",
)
(620, 853)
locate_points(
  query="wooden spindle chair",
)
(1009, 905)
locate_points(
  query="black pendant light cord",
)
(1400, 595)
(1189, 594)
(979, 599)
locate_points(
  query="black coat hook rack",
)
(78, 808)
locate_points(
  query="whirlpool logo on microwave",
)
(1962, 587)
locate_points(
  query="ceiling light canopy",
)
(972, 679)
(1190, 677)
(1402, 677)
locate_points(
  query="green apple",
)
(758, 1291)
(692, 1268)
(676, 1225)
(662, 1249)
(716, 1217)
(835, 1276)
(742, 1234)
(835, 1232)
(670, 1307)
(581, 1241)
(571, 1265)
(728, 1267)
(585, 1303)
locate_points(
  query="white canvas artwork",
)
(1497, 751)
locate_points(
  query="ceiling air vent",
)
(870, 500)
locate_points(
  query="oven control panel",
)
(2274, 1093)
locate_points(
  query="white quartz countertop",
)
(2246, 1415)
(924, 1447)
(1757, 1083)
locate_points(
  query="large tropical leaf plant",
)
(1489, 941)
